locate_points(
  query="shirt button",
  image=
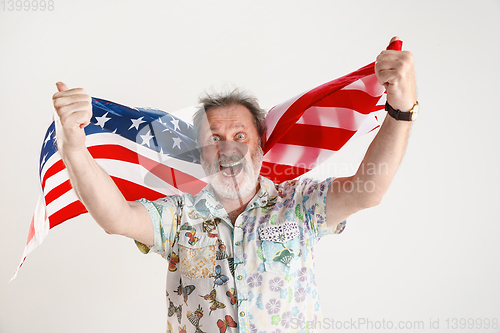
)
(242, 314)
(238, 243)
(240, 277)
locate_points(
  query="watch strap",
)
(398, 114)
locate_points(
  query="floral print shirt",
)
(257, 276)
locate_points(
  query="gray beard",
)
(227, 187)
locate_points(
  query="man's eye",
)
(214, 138)
(240, 136)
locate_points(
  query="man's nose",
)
(230, 148)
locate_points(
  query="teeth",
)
(229, 164)
(225, 167)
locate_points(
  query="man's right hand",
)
(74, 110)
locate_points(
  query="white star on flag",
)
(136, 123)
(48, 138)
(43, 160)
(146, 138)
(176, 124)
(177, 142)
(102, 120)
(161, 122)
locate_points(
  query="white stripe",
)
(124, 170)
(61, 202)
(190, 168)
(301, 156)
(41, 226)
(370, 123)
(55, 180)
(49, 163)
(382, 100)
(136, 174)
(277, 112)
(368, 84)
(333, 117)
(40, 221)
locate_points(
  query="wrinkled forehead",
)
(230, 118)
(216, 126)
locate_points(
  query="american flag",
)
(151, 154)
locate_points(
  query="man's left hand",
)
(395, 71)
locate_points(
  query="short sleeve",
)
(314, 194)
(164, 216)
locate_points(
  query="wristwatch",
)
(400, 115)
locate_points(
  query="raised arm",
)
(94, 187)
(395, 71)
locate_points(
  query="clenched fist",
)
(74, 111)
(395, 71)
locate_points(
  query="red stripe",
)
(131, 191)
(54, 168)
(57, 191)
(31, 232)
(173, 177)
(67, 212)
(330, 138)
(356, 100)
(279, 173)
(184, 181)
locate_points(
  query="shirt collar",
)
(265, 196)
(211, 203)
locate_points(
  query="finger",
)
(61, 86)
(386, 77)
(69, 92)
(389, 55)
(398, 60)
(75, 107)
(67, 100)
(396, 44)
(393, 39)
(385, 65)
(75, 120)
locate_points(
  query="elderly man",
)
(240, 252)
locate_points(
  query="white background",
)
(430, 250)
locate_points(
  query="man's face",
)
(231, 156)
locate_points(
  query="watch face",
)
(415, 111)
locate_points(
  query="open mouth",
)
(231, 169)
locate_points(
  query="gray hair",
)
(234, 97)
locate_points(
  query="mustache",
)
(229, 159)
(214, 167)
